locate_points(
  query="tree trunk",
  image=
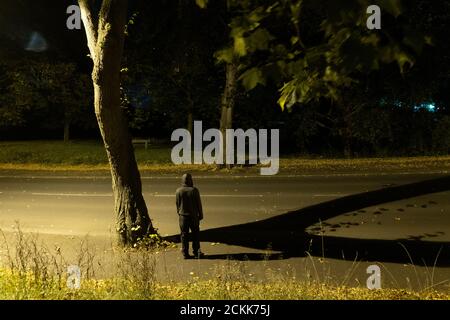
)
(66, 125)
(190, 122)
(106, 40)
(348, 151)
(228, 98)
(190, 112)
(66, 130)
(347, 134)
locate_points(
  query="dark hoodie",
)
(188, 199)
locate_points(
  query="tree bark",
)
(66, 126)
(190, 122)
(66, 131)
(105, 35)
(228, 98)
(346, 131)
(190, 112)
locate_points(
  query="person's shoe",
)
(186, 255)
(199, 255)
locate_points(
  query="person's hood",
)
(186, 180)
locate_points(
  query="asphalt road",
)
(84, 205)
(76, 206)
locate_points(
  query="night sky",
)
(40, 26)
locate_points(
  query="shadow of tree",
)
(286, 233)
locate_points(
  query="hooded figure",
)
(190, 212)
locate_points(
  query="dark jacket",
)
(188, 199)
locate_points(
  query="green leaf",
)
(225, 55)
(394, 7)
(240, 46)
(259, 40)
(404, 61)
(201, 3)
(251, 78)
(288, 95)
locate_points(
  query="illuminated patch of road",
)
(49, 194)
(332, 195)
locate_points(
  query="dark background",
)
(170, 52)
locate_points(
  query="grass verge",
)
(30, 270)
(89, 156)
(14, 286)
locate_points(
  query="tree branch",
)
(90, 21)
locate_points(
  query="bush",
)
(441, 136)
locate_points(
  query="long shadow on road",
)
(286, 233)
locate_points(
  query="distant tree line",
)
(181, 65)
(41, 97)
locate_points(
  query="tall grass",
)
(30, 270)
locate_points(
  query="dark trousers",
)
(188, 223)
